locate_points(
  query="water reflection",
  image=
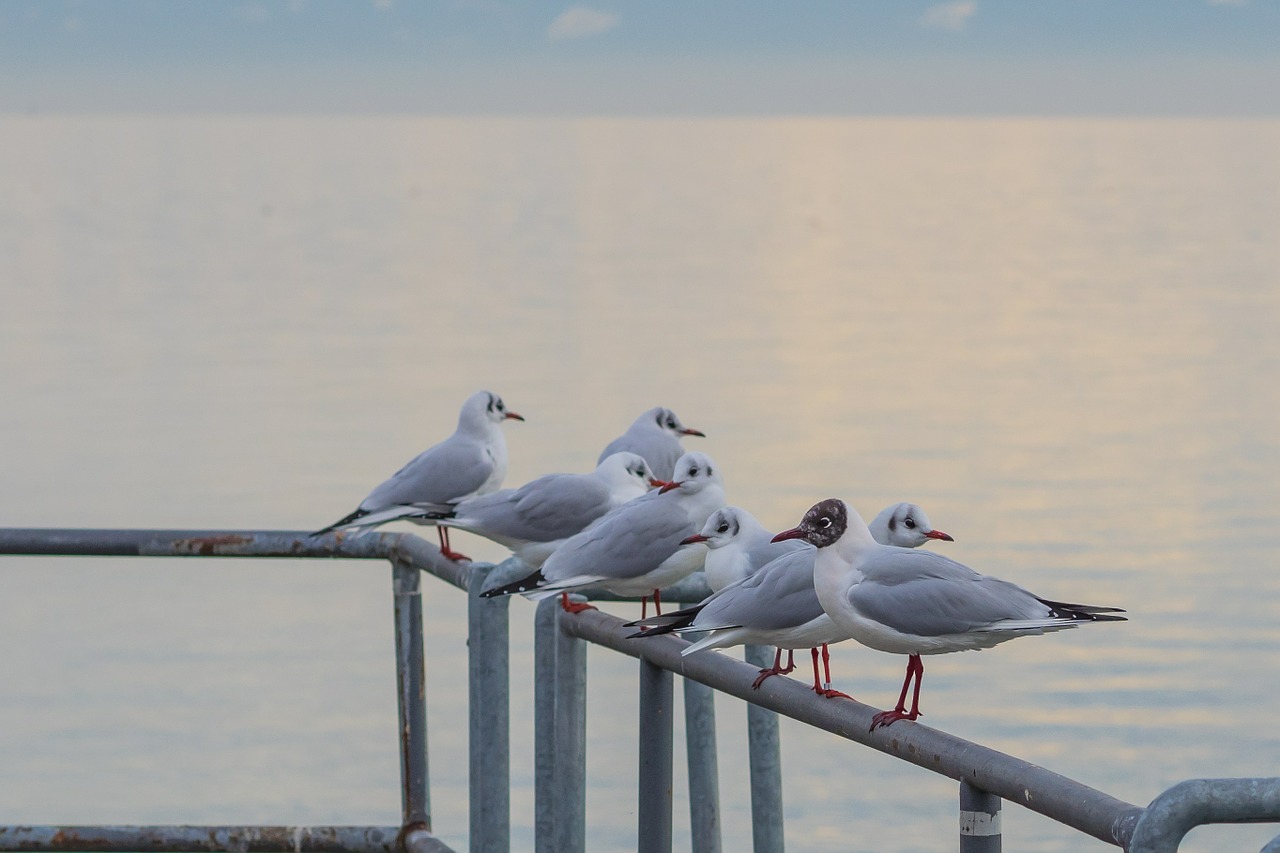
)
(1054, 335)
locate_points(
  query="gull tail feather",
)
(1083, 612)
(551, 588)
(525, 584)
(344, 522)
(666, 623)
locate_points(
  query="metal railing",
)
(986, 777)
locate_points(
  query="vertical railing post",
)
(979, 820)
(545, 684)
(569, 790)
(415, 801)
(765, 758)
(704, 774)
(657, 704)
(488, 667)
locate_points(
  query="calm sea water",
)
(1057, 336)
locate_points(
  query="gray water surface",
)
(1058, 336)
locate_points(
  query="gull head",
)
(822, 526)
(722, 528)
(625, 473)
(906, 526)
(694, 473)
(668, 422)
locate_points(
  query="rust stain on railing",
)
(211, 546)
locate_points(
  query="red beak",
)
(658, 484)
(938, 534)
(793, 533)
(697, 537)
(666, 487)
(513, 416)
(698, 433)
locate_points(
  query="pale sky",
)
(683, 57)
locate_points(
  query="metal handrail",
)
(986, 776)
(408, 556)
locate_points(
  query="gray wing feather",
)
(630, 541)
(658, 448)
(779, 596)
(441, 474)
(761, 555)
(553, 507)
(929, 595)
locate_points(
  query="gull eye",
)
(671, 424)
(724, 528)
(910, 523)
(824, 522)
(693, 471)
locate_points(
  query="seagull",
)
(538, 517)
(637, 548)
(472, 461)
(655, 435)
(770, 598)
(919, 602)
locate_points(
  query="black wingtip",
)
(654, 631)
(350, 517)
(665, 623)
(525, 584)
(1085, 612)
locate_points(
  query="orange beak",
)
(666, 487)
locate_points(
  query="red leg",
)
(791, 662)
(915, 696)
(776, 669)
(915, 669)
(644, 607)
(449, 553)
(825, 688)
(574, 606)
(657, 602)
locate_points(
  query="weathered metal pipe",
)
(569, 791)
(657, 707)
(545, 637)
(416, 839)
(488, 651)
(404, 547)
(764, 758)
(704, 779)
(1198, 801)
(1083, 808)
(979, 820)
(207, 839)
(415, 798)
